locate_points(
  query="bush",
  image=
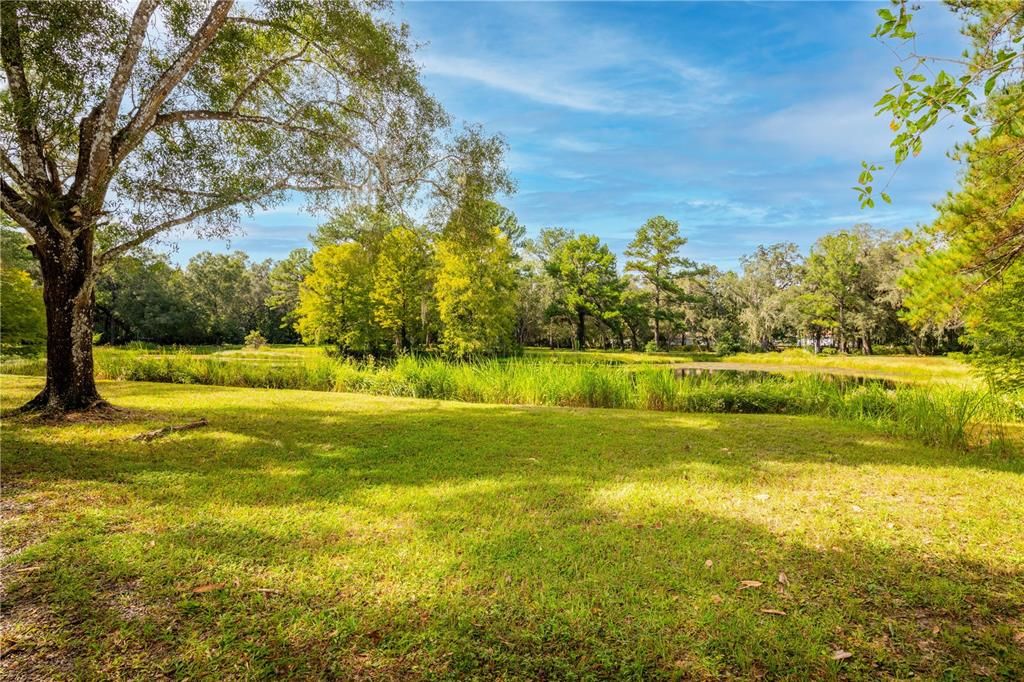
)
(651, 347)
(254, 340)
(728, 344)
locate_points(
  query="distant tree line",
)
(375, 283)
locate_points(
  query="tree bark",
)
(866, 347)
(66, 265)
(581, 330)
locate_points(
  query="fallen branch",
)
(147, 436)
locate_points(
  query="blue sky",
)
(746, 122)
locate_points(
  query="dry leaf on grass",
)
(773, 612)
(747, 584)
(840, 655)
(709, 563)
(783, 578)
(715, 599)
(208, 587)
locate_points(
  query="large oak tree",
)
(120, 123)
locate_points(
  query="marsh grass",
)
(941, 413)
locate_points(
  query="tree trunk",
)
(581, 331)
(69, 296)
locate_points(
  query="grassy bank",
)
(318, 535)
(940, 413)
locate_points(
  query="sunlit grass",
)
(354, 536)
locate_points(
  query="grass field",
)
(349, 536)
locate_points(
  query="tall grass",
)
(948, 415)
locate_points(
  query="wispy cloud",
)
(524, 82)
(744, 121)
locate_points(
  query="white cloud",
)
(571, 143)
(553, 58)
(527, 82)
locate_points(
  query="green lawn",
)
(312, 534)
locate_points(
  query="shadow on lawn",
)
(445, 540)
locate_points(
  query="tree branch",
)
(12, 170)
(98, 127)
(150, 232)
(129, 137)
(286, 184)
(29, 141)
(14, 205)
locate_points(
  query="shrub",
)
(254, 340)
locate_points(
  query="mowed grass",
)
(324, 535)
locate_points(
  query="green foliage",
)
(254, 340)
(285, 279)
(22, 316)
(334, 299)
(654, 256)
(770, 278)
(589, 282)
(361, 223)
(850, 288)
(925, 94)
(475, 290)
(229, 294)
(144, 297)
(14, 253)
(401, 286)
(996, 330)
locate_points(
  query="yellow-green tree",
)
(22, 316)
(401, 286)
(475, 290)
(334, 299)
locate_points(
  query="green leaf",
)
(886, 198)
(990, 84)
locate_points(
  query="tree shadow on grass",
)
(404, 539)
(383, 440)
(472, 590)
